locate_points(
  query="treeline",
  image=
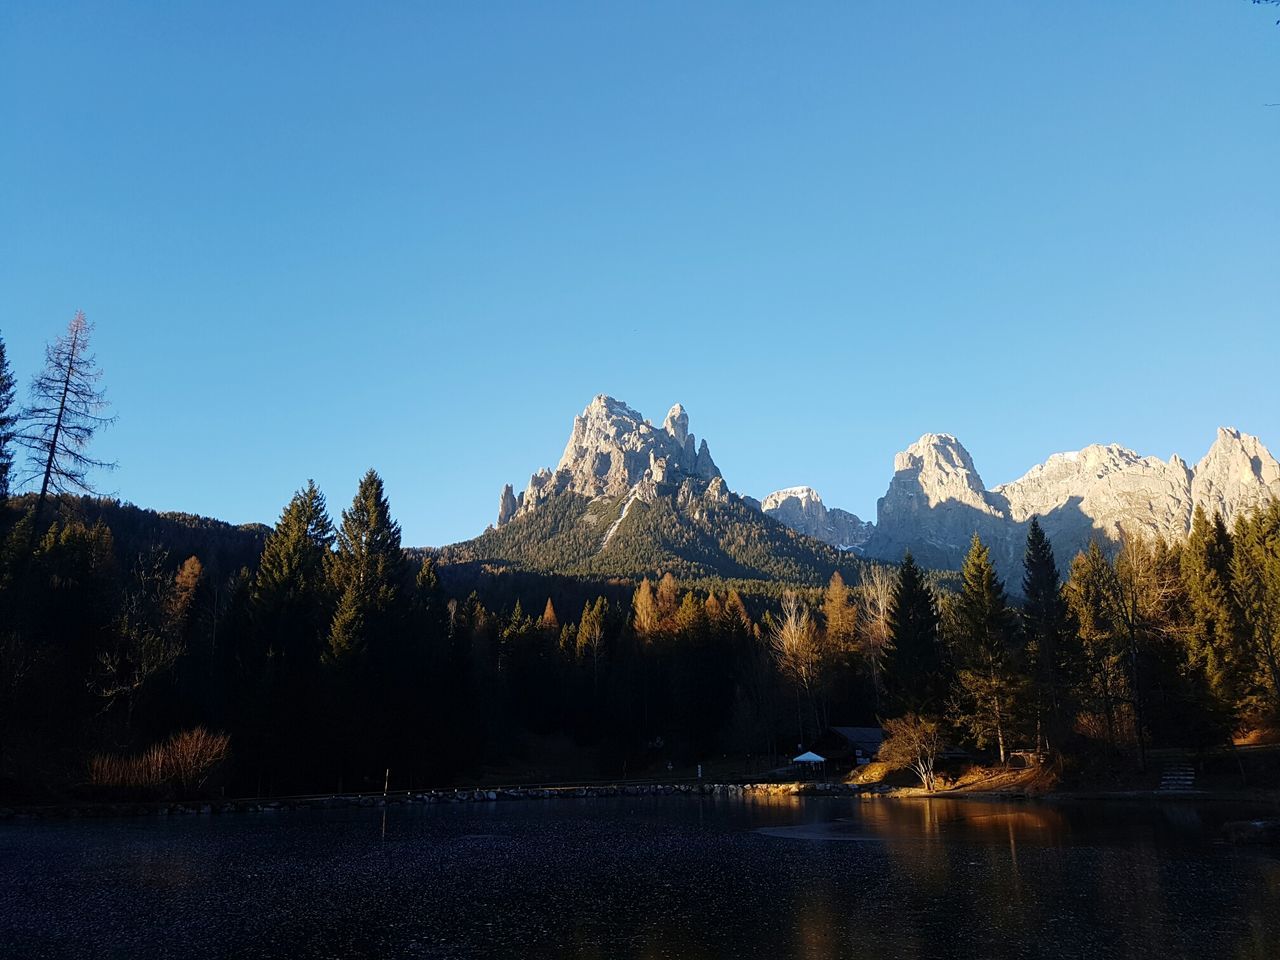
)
(322, 654)
(338, 656)
(1149, 644)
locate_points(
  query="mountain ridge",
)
(936, 499)
(628, 496)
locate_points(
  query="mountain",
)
(801, 509)
(936, 500)
(628, 498)
(614, 452)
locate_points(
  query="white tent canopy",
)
(808, 757)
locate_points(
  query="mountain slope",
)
(630, 499)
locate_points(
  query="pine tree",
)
(1103, 682)
(64, 413)
(8, 424)
(914, 669)
(1046, 627)
(990, 677)
(735, 612)
(367, 572)
(289, 597)
(1212, 631)
(289, 612)
(1255, 574)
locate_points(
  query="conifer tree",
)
(990, 677)
(1047, 631)
(367, 572)
(714, 609)
(427, 613)
(1255, 574)
(1103, 683)
(550, 622)
(1212, 630)
(289, 596)
(426, 582)
(65, 411)
(668, 600)
(288, 614)
(644, 609)
(840, 615)
(691, 616)
(914, 669)
(8, 424)
(735, 612)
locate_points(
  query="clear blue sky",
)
(318, 237)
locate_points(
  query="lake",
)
(645, 877)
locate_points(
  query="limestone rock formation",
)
(613, 450)
(801, 509)
(508, 504)
(936, 500)
(1237, 474)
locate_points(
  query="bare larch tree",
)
(797, 650)
(66, 409)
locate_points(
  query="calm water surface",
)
(645, 877)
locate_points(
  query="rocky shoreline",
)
(71, 811)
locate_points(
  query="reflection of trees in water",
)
(820, 923)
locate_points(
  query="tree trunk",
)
(53, 445)
(1000, 730)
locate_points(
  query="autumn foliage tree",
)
(912, 742)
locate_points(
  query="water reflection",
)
(995, 880)
(674, 877)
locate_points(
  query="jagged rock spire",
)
(612, 450)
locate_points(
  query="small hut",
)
(810, 765)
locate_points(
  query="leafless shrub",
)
(183, 764)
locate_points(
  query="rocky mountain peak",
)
(803, 495)
(936, 500)
(937, 467)
(613, 450)
(677, 424)
(802, 509)
(1237, 474)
